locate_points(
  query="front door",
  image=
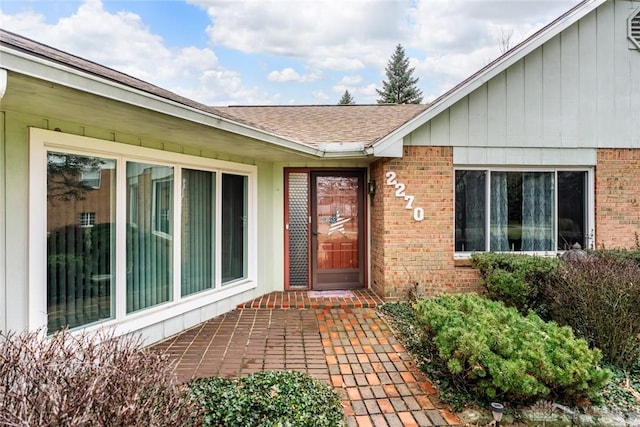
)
(335, 229)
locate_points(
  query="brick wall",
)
(617, 198)
(405, 251)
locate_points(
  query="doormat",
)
(330, 294)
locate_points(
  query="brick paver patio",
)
(351, 348)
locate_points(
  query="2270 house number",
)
(418, 213)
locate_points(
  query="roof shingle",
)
(325, 124)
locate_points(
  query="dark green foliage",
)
(620, 393)
(401, 85)
(346, 99)
(501, 354)
(517, 280)
(600, 299)
(268, 398)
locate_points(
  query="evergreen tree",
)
(401, 85)
(346, 99)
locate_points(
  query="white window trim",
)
(590, 203)
(41, 141)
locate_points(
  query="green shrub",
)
(503, 354)
(600, 299)
(516, 279)
(88, 380)
(268, 398)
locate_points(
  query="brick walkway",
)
(349, 348)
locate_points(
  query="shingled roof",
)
(316, 125)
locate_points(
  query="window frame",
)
(590, 204)
(42, 141)
(87, 219)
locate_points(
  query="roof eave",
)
(449, 98)
(57, 73)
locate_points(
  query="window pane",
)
(470, 210)
(572, 209)
(522, 211)
(506, 211)
(80, 239)
(234, 227)
(538, 191)
(198, 232)
(149, 235)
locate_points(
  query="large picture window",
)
(523, 211)
(136, 236)
(80, 240)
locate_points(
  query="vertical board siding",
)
(478, 117)
(496, 112)
(440, 126)
(626, 75)
(588, 79)
(515, 105)
(606, 75)
(460, 121)
(534, 99)
(551, 113)
(570, 87)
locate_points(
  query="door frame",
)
(364, 245)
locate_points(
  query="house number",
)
(418, 213)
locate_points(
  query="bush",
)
(600, 299)
(516, 279)
(503, 354)
(81, 380)
(632, 255)
(268, 398)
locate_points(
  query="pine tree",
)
(401, 85)
(346, 99)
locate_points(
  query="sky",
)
(281, 52)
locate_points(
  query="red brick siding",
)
(405, 251)
(617, 198)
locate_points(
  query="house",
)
(128, 206)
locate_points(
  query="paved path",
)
(352, 349)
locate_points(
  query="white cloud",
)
(290, 75)
(351, 80)
(320, 96)
(286, 75)
(350, 83)
(123, 42)
(298, 27)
